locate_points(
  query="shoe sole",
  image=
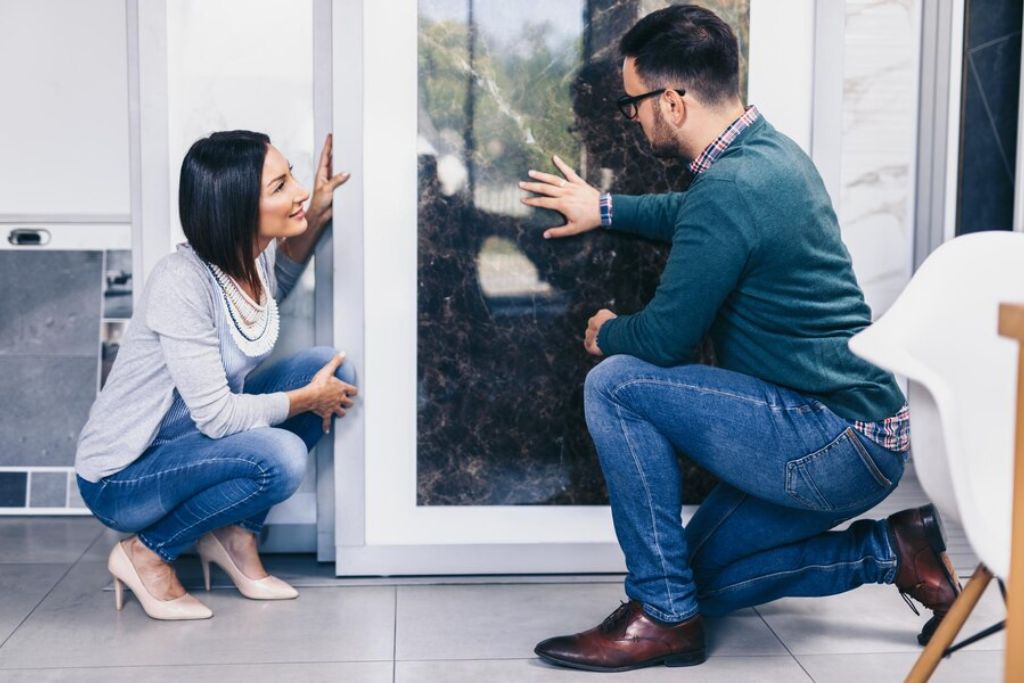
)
(684, 659)
(935, 536)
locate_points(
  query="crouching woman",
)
(185, 445)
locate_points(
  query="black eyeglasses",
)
(629, 104)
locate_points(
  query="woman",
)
(182, 446)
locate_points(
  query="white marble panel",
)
(880, 88)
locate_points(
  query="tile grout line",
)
(52, 588)
(783, 644)
(394, 640)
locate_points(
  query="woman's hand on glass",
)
(324, 185)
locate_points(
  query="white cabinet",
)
(64, 123)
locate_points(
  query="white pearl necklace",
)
(254, 326)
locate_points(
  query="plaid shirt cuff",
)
(606, 210)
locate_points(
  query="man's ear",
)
(673, 107)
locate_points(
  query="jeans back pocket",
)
(840, 476)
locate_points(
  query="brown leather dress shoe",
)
(925, 572)
(628, 639)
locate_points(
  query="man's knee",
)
(608, 375)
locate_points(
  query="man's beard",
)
(663, 143)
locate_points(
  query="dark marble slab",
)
(997, 68)
(13, 489)
(989, 20)
(986, 184)
(501, 310)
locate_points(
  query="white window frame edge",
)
(938, 128)
(355, 554)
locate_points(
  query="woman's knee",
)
(283, 459)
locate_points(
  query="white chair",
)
(942, 335)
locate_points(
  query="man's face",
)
(648, 114)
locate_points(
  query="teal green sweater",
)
(757, 261)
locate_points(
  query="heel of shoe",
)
(118, 594)
(687, 658)
(206, 572)
(933, 528)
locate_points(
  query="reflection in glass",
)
(502, 87)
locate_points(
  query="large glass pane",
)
(502, 87)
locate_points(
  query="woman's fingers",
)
(325, 157)
(332, 365)
(339, 180)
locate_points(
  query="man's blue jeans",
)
(790, 470)
(179, 490)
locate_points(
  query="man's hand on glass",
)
(570, 196)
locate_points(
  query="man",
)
(801, 433)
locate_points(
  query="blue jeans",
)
(790, 470)
(179, 490)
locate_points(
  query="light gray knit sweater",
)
(173, 341)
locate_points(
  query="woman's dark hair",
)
(219, 201)
(685, 46)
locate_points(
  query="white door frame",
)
(380, 529)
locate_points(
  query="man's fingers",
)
(543, 202)
(561, 231)
(565, 169)
(542, 188)
(349, 389)
(327, 425)
(339, 411)
(548, 178)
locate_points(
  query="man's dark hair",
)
(685, 46)
(219, 201)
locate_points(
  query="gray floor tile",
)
(499, 622)
(714, 670)
(323, 625)
(46, 539)
(869, 619)
(348, 672)
(962, 667)
(22, 586)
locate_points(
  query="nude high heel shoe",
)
(124, 573)
(268, 588)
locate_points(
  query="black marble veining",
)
(501, 310)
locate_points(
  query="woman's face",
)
(281, 199)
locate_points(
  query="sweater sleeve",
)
(180, 311)
(709, 253)
(651, 215)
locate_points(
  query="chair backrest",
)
(941, 334)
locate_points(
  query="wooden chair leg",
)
(950, 626)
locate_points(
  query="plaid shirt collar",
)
(703, 162)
